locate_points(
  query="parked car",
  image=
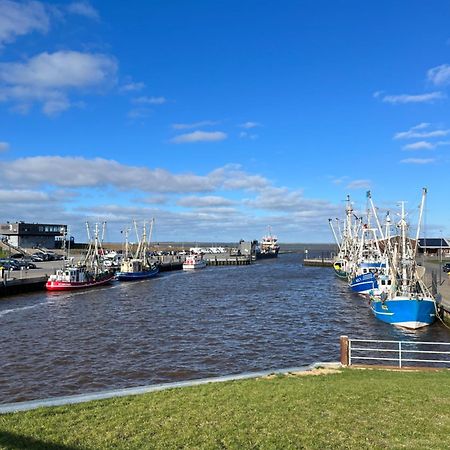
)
(26, 264)
(446, 267)
(9, 264)
(37, 257)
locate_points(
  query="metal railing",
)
(399, 353)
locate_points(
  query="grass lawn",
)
(350, 408)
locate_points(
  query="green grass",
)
(352, 409)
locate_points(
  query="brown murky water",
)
(179, 326)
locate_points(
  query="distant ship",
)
(268, 247)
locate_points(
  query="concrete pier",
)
(318, 262)
(228, 260)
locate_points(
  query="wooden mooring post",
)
(344, 350)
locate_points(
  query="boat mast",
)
(127, 250)
(330, 221)
(88, 254)
(422, 204)
(403, 227)
(374, 212)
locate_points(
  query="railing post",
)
(400, 354)
(345, 357)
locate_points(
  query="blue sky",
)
(221, 118)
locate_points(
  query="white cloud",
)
(359, 184)
(411, 98)
(412, 133)
(98, 172)
(418, 161)
(421, 145)
(199, 136)
(132, 87)
(22, 196)
(48, 78)
(440, 75)
(232, 177)
(81, 172)
(219, 215)
(149, 100)
(153, 200)
(4, 146)
(292, 202)
(204, 202)
(20, 18)
(189, 126)
(83, 9)
(248, 125)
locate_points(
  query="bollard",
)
(344, 350)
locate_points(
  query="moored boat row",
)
(383, 267)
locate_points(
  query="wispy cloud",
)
(23, 196)
(206, 201)
(421, 145)
(416, 133)
(132, 87)
(248, 125)
(359, 184)
(199, 136)
(418, 161)
(190, 126)
(83, 9)
(21, 18)
(246, 135)
(339, 180)
(410, 98)
(49, 77)
(4, 146)
(145, 100)
(440, 75)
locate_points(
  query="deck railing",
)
(397, 353)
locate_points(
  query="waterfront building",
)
(32, 235)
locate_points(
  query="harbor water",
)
(181, 326)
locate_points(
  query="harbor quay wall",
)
(439, 283)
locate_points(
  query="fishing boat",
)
(268, 247)
(138, 266)
(347, 242)
(406, 302)
(194, 262)
(87, 273)
(369, 262)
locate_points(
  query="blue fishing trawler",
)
(406, 302)
(138, 267)
(404, 311)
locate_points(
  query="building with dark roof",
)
(434, 246)
(32, 235)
